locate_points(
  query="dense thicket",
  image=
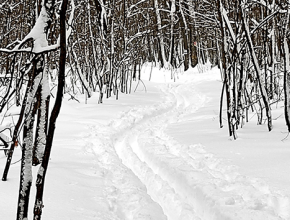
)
(88, 46)
(255, 60)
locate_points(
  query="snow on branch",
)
(38, 35)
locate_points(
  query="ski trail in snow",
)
(126, 196)
(163, 172)
(185, 181)
(160, 188)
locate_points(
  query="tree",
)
(36, 46)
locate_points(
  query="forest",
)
(49, 48)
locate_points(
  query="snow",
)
(160, 155)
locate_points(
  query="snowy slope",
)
(159, 155)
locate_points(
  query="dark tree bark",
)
(258, 71)
(54, 115)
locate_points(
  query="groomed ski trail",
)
(185, 181)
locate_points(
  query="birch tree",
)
(36, 45)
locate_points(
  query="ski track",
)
(178, 182)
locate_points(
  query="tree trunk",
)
(18, 125)
(160, 35)
(42, 119)
(286, 74)
(258, 72)
(225, 68)
(54, 114)
(26, 159)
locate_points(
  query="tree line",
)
(254, 59)
(88, 46)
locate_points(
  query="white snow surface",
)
(160, 154)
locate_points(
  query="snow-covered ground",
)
(159, 154)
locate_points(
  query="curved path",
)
(180, 181)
